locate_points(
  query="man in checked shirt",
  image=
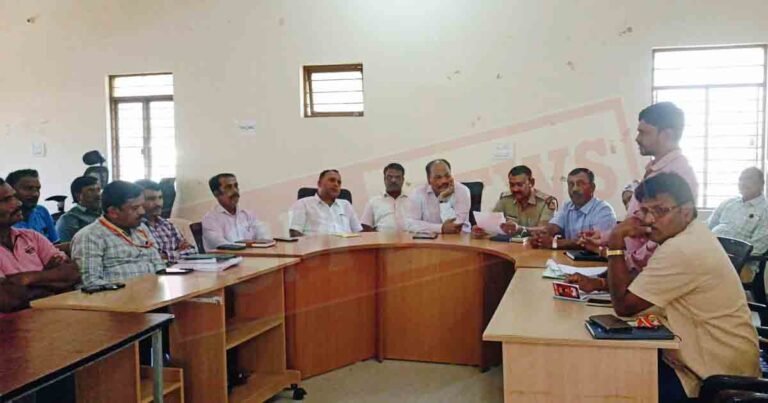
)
(169, 241)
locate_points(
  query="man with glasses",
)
(692, 279)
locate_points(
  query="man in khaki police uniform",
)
(523, 206)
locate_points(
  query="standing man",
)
(584, 212)
(659, 129)
(692, 279)
(523, 206)
(170, 243)
(26, 182)
(386, 212)
(30, 266)
(324, 213)
(117, 246)
(442, 205)
(745, 217)
(227, 223)
(86, 192)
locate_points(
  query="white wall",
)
(554, 81)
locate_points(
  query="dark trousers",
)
(670, 388)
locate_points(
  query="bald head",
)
(751, 183)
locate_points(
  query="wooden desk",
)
(523, 256)
(241, 308)
(388, 296)
(39, 347)
(550, 357)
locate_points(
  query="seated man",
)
(745, 217)
(227, 223)
(86, 192)
(169, 241)
(584, 212)
(30, 266)
(442, 205)
(324, 213)
(26, 182)
(523, 206)
(117, 246)
(691, 278)
(386, 212)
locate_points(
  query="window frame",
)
(145, 100)
(307, 99)
(706, 87)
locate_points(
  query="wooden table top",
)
(149, 292)
(529, 314)
(37, 346)
(524, 256)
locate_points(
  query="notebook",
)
(637, 333)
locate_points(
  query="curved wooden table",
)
(388, 296)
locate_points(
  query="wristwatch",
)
(614, 252)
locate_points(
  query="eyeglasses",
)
(657, 211)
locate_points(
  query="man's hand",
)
(590, 240)
(541, 240)
(510, 227)
(630, 227)
(56, 261)
(586, 284)
(451, 227)
(478, 232)
(184, 245)
(445, 194)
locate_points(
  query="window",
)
(722, 91)
(143, 131)
(335, 90)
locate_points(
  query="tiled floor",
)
(403, 381)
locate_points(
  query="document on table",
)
(558, 271)
(490, 222)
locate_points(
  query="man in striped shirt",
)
(170, 243)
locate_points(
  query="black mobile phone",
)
(610, 323)
(171, 270)
(231, 246)
(286, 239)
(599, 302)
(425, 235)
(102, 287)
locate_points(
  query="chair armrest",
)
(757, 258)
(739, 396)
(716, 383)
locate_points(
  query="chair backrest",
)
(197, 232)
(309, 192)
(476, 197)
(738, 251)
(168, 189)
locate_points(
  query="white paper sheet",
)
(490, 222)
(554, 269)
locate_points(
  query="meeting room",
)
(369, 201)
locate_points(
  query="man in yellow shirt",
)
(692, 279)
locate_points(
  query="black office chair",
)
(732, 388)
(476, 197)
(738, 251)
(309, 192)
(60, 201)
(168, 189)
(197, 232)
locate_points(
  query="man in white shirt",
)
(226, 223)
(440, 206)
(324, 213)
(386, 212)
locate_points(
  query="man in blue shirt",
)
(26, 182)
(584, 212)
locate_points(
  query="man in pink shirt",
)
(30, 266)
(659, 129)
